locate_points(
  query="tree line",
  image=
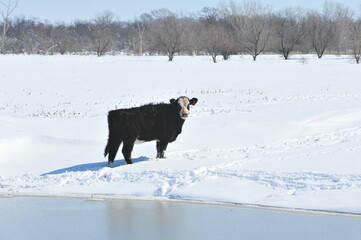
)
(246, 27)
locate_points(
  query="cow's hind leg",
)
(113, 146)
(161, 147)
(127, 151)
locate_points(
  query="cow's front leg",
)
(161, 147)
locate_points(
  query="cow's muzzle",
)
(184, 115)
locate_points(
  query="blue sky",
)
(70, 10)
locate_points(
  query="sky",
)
(69, 10)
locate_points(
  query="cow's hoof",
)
(110, 164)
(160, 155)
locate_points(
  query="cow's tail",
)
(106, 150)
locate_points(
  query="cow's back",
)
(147, 122)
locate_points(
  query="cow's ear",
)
(193, 101)
(172, 101)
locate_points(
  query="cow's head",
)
(183, 104)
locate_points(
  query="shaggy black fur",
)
(161, 122)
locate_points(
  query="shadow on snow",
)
(94, 166)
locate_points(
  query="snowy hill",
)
(271, 132)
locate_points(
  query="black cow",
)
(161, 122)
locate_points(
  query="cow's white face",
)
(185, 105)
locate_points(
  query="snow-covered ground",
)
(270, 132)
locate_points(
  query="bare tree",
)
(341, 16)
(322, 30)
(216, 40)
(191, 33)
(139, 26)
(123, 37)
(44, 42)
(23, 34)
(355, 32)
(211, 38)
(81, 36)
(290, 30)
(208, 37)
(168, 33)
(215, 34)
(30, 36)
(61, 37)
(256, 34)
(6, 9)
(102, 35)
(252, 23)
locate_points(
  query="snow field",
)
(271, 132)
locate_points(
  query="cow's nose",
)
(185, 115)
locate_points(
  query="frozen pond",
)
(72, 218)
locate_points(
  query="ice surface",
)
(64, 218)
